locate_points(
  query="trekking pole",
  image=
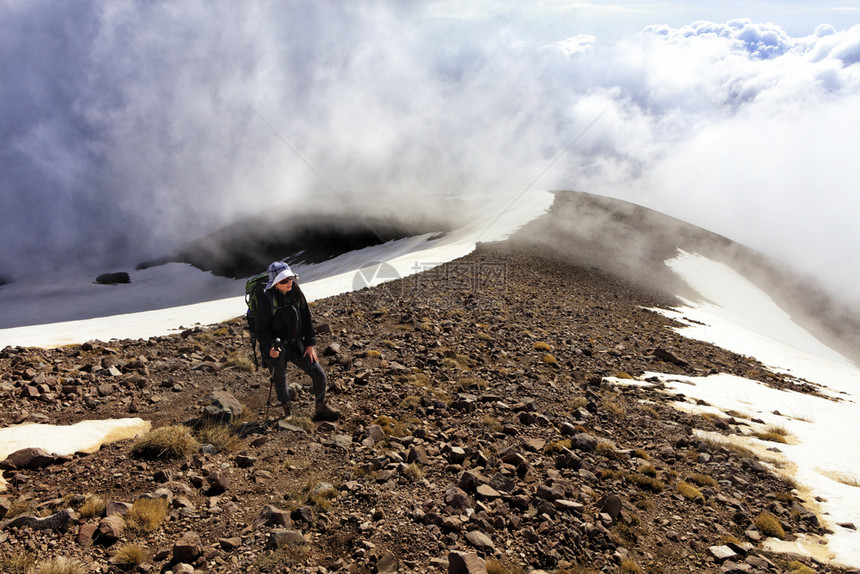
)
(271, 379)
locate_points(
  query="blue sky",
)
(131, 128)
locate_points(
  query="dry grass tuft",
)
(769, 525)
(648, 470)
(18, 562)
(541, 346)
(304, 423)
(59, 565)
(413, 472)
(93, 507)
(639, 453)
(241, 361)
(146, 515)
(550, 360)
(129, 556)
(702, 479)
(496, 567)
(630, 567)
(614, 408)
(321, 495)
(491, 423)
(20, 507)
(690, 492)
(165, 443)
(282, 559)
(223, 437)
(770, 436)
(646, 482)
(798, 567)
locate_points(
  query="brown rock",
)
(486, 491)
(114, 507)
(57, 521)
(480, 540)
(188, 548)
(611, 505)
(218, 484)
(230, 544)
(386, 564)
(28, 458)
(465, 563)
(86, 533)
(110, 529)
(273, 516)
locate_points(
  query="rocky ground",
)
(476, 423)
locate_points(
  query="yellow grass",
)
(146, 515)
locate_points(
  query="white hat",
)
(278, 271)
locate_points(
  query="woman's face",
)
(285, 285)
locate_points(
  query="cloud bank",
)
(131, 128)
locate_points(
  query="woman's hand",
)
(311, 354)
(275, 351)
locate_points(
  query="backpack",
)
(254, 290)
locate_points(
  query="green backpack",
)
(254, 290)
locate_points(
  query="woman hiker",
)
(287, 334)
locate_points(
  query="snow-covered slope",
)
(823, 455)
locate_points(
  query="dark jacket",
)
(291, 322)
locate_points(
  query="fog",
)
(131, 128)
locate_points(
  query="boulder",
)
(465, 563)
(113, 278)
(188, 548)
(57, 521)
(28, 458)
(110, 529)
(387, 564)
(86, 533)
(218, 484)
(273, 516)
(222, 407)
(480, 540)
(611, 505)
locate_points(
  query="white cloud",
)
(156, 123)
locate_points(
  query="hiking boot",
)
(287, 409)
(325, 412)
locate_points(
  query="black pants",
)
(278, 367)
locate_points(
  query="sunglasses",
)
(285, 281)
